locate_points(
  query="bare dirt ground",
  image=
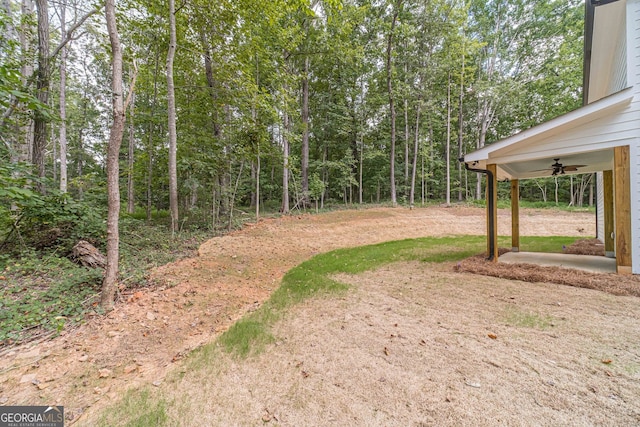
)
(419, 345)
(150, 331)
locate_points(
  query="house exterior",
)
(603, 136)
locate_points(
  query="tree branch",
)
(69, 35)
(132, 85)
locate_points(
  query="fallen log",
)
(84, 253)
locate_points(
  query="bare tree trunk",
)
(258, 184)
(414, 165)
(208, 69)
(113, 170)
(392, 109)
(305, 132)
(447, 153)
(285, 166)
(571, 192)
(233, 197)
(130, 158)
(173, 139)
(360, 168)
(406, 143)
(63, 102)
(25, 150)
(543, 190)
(460, 129)
(42, 89)
(150, 139)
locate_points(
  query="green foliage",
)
(34, 220)
(43, 294)
(42, 291)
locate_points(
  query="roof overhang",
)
(576, 138)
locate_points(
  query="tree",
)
(392, 109)
(63, 103)
(173, 138)
(119, 107)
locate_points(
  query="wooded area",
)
(241, 105)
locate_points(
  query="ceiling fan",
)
(559, 169)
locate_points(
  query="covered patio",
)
(593, 139)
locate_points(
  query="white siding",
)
(600, 206)
(633, 59)
(619, 75)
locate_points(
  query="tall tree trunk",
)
(42, 90)
(25, 149)
(257, 192)
(392, 109)
(151, 128)
(208, 70)
(63, 102)
(414, 165)
(447, 153)
(173, 139)
(360, 168)
(305, 132)
(461, 129)
(254, 116)
(130, 158)
(406, 144)
(113, 169)
(285, 166)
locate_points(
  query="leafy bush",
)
(40, 221)
(40, 295)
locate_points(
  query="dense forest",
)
(210, 111)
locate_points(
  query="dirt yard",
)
(150, 331)
(416, 345)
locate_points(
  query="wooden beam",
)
(492, 214)
(515, 215)
(622, 182)
(609, 243)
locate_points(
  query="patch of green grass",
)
(314, 277)
(525, 319)
(139, 408)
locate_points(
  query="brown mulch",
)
(585, 247)
(615, 284)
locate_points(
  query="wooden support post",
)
(622, 178)
(515, 215)
(492, 212)
(609, 243)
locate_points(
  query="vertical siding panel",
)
(600, 207)
(633, 42)
(619, 75)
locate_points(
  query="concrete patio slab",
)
(594, 264)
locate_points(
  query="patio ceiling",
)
(583, 138)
